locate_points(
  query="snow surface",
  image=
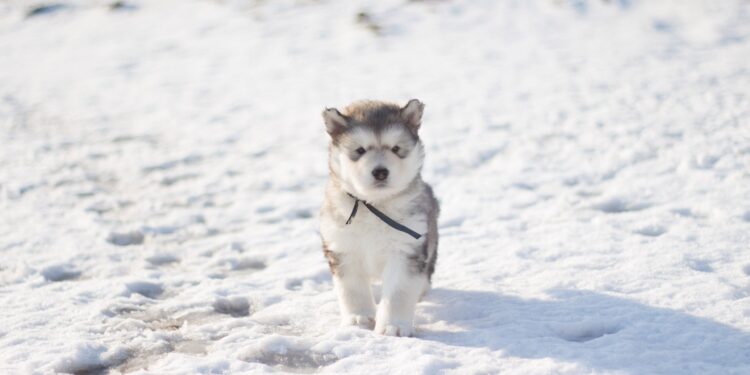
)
(162, 164)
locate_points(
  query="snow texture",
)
(162, 164)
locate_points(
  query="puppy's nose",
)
(380, 173)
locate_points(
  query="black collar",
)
(392, 223)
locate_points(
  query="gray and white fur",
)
(375, 154)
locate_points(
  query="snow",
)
(162, 165)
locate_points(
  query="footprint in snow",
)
(234, 266)
(121, 308)
(101, 207)
(264, 209)
(170, 339)
(126, 238)
(318, 281)
(91, 358)
(293, 284)
(187, 160)
(620, 205)
(651, 230)
(235, 306)
(287, 354)
(300, 214)
(171, 180)
(167, 324)
(122, 6)
(296, 361)
(161, 260)
(452, 222)
(585, 331)
(700, 265)
(45, 9)
(688, 213)
(523, 186)
(142, 358)
(484, 157)
(144, 288)
(61, 272)
(245, 264)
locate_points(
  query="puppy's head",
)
(375, 149)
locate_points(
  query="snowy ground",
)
(162, 164)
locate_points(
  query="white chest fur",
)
(367, 237)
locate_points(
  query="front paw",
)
(363, 321)
(402, 329)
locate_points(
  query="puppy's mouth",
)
(380, 184)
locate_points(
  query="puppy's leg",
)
(425, 289)
(403, 283)
(353, 288)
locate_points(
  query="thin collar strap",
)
(392, 223)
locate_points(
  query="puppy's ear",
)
(336, 123)
(412, 114)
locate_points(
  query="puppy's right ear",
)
(336, 123)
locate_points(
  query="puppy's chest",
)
(368, 234)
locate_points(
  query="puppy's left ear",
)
(412, 114)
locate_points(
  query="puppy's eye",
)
(361, 150)
(395, 149)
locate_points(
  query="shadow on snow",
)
(596, 330)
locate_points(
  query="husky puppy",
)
(379, 219)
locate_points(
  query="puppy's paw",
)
(395, 329)
(363, 321)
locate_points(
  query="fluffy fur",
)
(367, 138)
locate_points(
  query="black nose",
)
(380, 174)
